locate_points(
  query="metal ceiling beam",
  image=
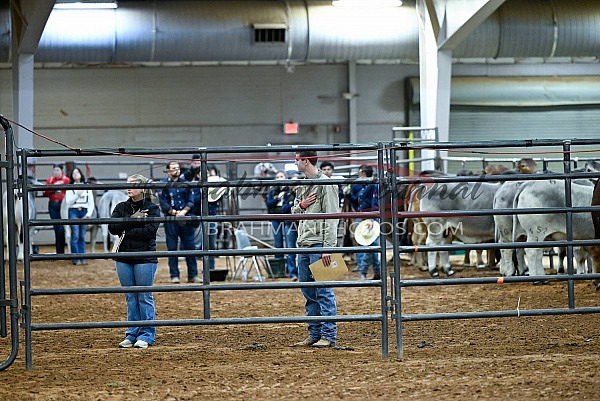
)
(29, 18)
(460, 18)
(433, 18)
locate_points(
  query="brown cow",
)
(595, 250)
(495, 169)
(526, 166)
(417, 229)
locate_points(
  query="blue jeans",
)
(364, 260)
(291, 236)
(59, 231)
(77, 233)
(285, 231)
(173, 232)
(319, 301)
(140, 305)
(212, 240)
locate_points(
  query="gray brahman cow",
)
(543, 227)
(505, 230)
(595, 249)
(441, 230)
(508, 231)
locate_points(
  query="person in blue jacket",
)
(177, 202)
(366, 198)
(280, 201)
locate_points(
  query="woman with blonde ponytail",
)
(138, 235)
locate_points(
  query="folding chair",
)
(243, 242)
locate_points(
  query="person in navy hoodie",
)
(280, 201)
(367, 200)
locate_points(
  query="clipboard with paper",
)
(332, 272)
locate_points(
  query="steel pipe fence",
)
(390, 198)
(567, 176)
(12, 301)
(29, 290)
(235, 169)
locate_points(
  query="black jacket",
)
(139, 236)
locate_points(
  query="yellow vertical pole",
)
(411, 154)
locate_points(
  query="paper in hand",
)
(336, 268)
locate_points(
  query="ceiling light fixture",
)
(366, 3)
(84, 6)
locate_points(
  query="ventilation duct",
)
(269, 33)
(299, 31)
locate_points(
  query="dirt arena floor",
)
(553, 357)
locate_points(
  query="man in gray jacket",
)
(316, 234)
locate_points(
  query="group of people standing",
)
(362, 198)
(280, 200)
(80, 203)
(141, 236)
(176, 201)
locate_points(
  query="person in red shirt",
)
(55, 199)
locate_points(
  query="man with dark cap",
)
(193, 172)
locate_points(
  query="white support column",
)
(428, 71)
(29, 17)
(22, 67)
(444, 83)
(352, 121)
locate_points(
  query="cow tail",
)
(414, 196)
(514, 206)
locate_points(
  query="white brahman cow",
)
(106, 205)
(17, 232)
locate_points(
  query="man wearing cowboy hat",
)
(214, 204)
(316, 234)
